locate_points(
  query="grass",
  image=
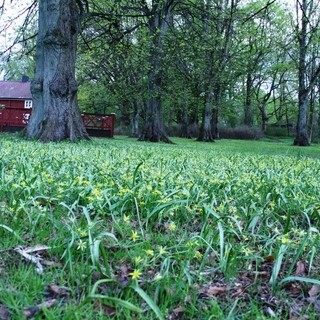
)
(228, 230)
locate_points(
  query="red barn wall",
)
(13, 103)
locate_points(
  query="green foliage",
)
(153, 230)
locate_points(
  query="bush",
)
(242, 132)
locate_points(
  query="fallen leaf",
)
(176, 314)
(314, 291)
(58, 291)
(36, 248)
(4, 313)
(211, 291)
(270, 312)
(301, 269)
(108, 310)
(29, 257)
(30, 312)
(269, 259)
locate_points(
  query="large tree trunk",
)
(55, 115)
(153, 129)
(302, 137)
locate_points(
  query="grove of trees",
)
(186, 67)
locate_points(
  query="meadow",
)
(122, 229)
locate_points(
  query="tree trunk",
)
(248, 116)
(302, 137)
(55, 115)
(153, 129)
(135, 120)
(206, 129)
(311, 114)
(185, 129)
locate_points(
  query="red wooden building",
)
(16, 108)
(15, 94)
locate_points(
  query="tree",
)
(56, 115)
(307, 80)
(157, 22)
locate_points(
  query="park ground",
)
(121, 229)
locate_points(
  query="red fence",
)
(95, 123)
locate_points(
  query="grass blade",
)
(117, 301)
(149, 301)
(12, 231)
(300, 279)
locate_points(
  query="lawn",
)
(122, 229)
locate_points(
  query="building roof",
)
(15, 90)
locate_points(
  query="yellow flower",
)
(96, 192)
(162, 250)
(134, 236)
(126, 218)
(149, 252)
(172, 226)
(285, 240)
(81, 245)
(137, 260)
(198, 255)
(135, 274)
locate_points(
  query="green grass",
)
(153, 231)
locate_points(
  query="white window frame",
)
(28, 104)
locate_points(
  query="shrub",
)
(241, 132)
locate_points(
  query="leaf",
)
(176, 314)
(4, 313)
(269, 259)
(12, 231)
(36, 248)
(117, 301)
(213, 291)
(33, 259)
(301, 269)
(108, 310)
(302, 279)
(30, 312)
(58, 291)
(149, 301)
(277, 265)
(314, 291)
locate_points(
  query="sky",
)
(11, 18)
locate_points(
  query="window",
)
(28, 104)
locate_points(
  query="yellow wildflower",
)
(172, 226)
(162, 250)
(81, 245)
(135, 274)
(137, 260)
(149, 252)
(134, 236)
(198, 255)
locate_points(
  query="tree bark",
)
(55, 115)
(135, 120)
(248, 114)
(206, 129)
(302, 137)
(153, 129)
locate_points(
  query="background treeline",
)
(201, 69)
